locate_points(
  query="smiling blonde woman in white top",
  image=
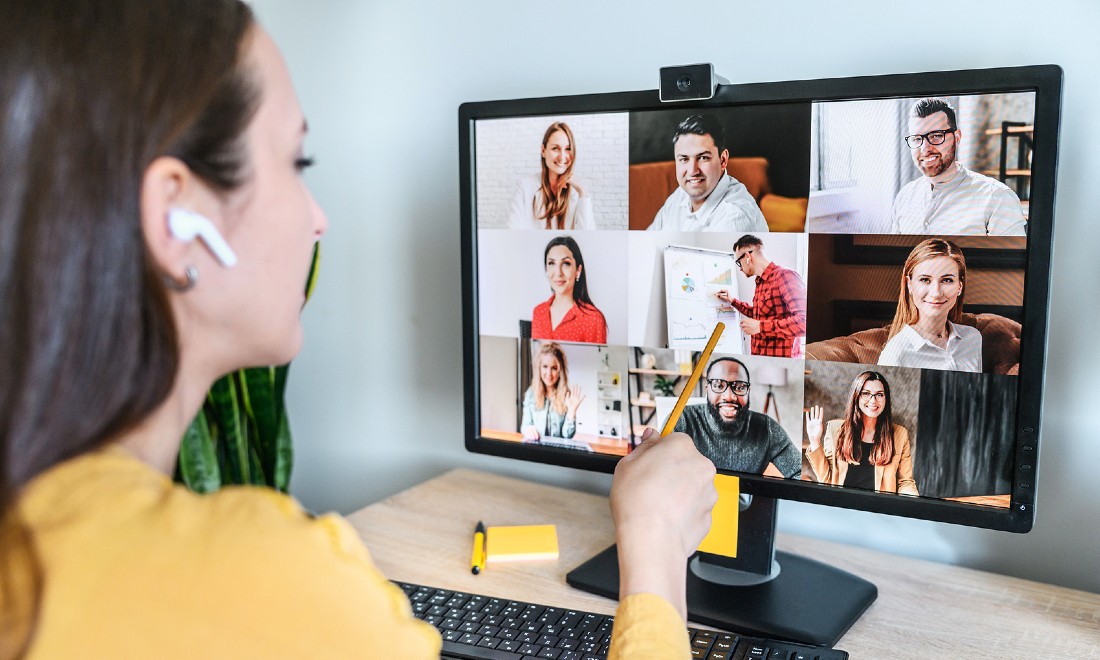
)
(926, 332)
(552, 199)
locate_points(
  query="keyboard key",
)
(449, 624)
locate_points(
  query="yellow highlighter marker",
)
(693, 379)
(477, 559)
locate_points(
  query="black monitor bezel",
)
(1044, 80)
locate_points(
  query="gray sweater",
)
(754, 441)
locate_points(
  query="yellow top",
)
(138, 567)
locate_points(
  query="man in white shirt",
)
(950, 200)
(708, 199)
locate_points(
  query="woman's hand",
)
(530, 433)
(815, 428)
(661, 501)
(573, 401)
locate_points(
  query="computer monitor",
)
(878, 248)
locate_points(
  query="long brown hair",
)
(930, 248)
(554, 200)
(93, 92)
(561, 388)
(849, 442)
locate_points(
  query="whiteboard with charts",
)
(693, 277)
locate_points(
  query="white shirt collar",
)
(917, 341)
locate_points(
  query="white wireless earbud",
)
(186, 225)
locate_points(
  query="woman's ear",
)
(162, 188)
(169, 188)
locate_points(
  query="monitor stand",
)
(761, 592)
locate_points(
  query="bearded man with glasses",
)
(948, 199)
(731, 435)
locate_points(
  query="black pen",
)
(477, 559)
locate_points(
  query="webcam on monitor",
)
(689, 82)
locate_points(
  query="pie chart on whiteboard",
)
(687, 284)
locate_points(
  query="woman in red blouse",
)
(569, 314)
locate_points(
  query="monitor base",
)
(808, 601)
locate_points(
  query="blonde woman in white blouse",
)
(926, 332)
(552, 199)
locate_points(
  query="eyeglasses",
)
(717, 385)
(867, 396)
(933, 137)
(743, 254)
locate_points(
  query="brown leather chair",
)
(1000, 344)
(652, 183)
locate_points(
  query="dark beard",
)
(734, 426)
(945, 164)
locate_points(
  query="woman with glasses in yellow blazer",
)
(865, 449)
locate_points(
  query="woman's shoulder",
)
(967, 331)
(528, 183)
(901, 434)
(589, 310)
(890, 353)
(114, 498)
(157, 558)
(544, 305)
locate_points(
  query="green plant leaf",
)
(261, 403)
(279, 378)
(311, 279)
(231, 428)
(284, 456)
(198, 462)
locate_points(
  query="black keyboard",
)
(483, 627)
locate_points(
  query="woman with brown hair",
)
(927, 332)
(569, 313)
(550, 404)
(554, 199)
(865, 449)
(125, 128)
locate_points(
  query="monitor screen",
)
(878, 249)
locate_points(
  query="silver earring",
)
(190, 275)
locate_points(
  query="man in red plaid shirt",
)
(777, 316)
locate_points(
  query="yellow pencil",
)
(693, 379)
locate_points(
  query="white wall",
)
(376, 395)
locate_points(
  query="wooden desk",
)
(924, 609)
